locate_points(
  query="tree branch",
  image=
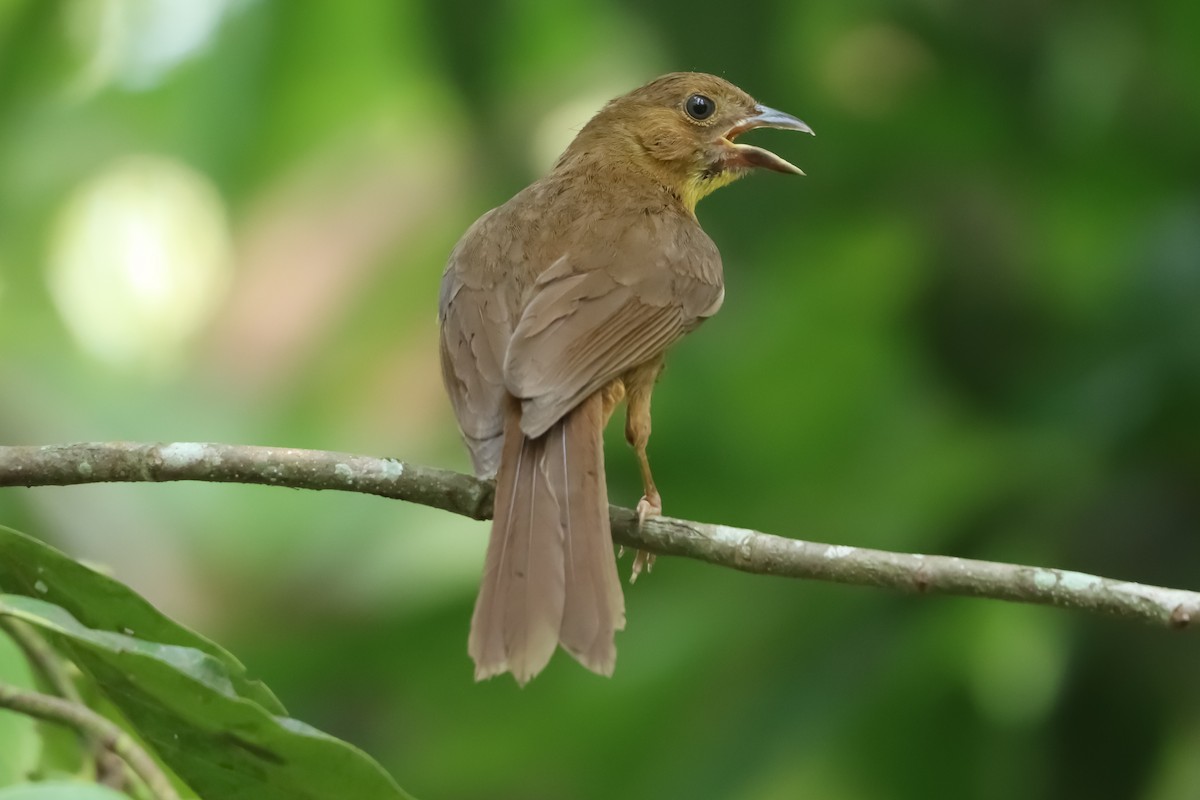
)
(746, 550)
(92, 726)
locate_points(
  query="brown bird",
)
(556, 306)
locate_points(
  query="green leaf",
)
(34, 569)
(183, 703)
(61, 790)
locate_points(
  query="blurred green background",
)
(974, 329)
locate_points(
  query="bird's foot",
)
(648, 506)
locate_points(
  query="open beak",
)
(746, 155)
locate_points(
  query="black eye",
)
(699, 107)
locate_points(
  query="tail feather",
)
(519, 610)
(594, 607)
(549, 575)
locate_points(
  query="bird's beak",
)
(745, 155)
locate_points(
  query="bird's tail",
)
(549, 577)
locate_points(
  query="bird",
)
(556, 306)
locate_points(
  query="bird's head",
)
(682, 128)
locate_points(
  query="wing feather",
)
(581, 330)
(476, 316)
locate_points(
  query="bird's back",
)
(619, 224)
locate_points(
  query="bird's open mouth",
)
(747, 155)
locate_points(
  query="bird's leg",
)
(639, 386)
(613, 394)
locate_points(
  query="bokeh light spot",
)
(135, 43)
(141, 258)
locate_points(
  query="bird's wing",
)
(616, 300)
(476, 318)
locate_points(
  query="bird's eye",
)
(699, 107)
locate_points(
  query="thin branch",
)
(42, 657)
(91, 725)
(746, 550)
(107, 766)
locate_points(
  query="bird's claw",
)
(647, 507)
(643, 560)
